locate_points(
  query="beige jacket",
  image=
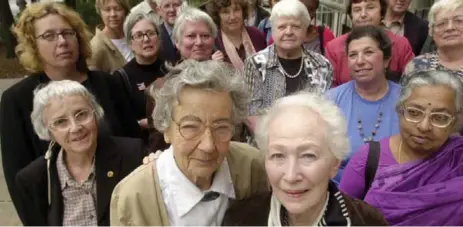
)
(137, 199)
(105, 55)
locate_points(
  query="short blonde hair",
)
(442, 5)
(123, 3)
(24, 30)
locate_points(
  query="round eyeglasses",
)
(190, 130)
(437, 119)
(65, 123)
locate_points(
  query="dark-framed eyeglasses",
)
(51, 36)
(190, 130)
(437, 119)
(139, 36)
(80, 118)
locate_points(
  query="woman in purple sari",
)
(419, 176)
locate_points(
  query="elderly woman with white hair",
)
(285, 67)
(417, 173)
(194, 33)
(304, 139)
(192, 181)
(72, 183)
(446, 28)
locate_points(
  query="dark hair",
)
(382, 3)
(214, 7)
(374, 32)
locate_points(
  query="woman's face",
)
(231, 18)
(447, 30)
(57, 42)
(299, 164)
(366, 12)
(71, 122)
(200, 131)
(433, 103)
(145, 40)
(288, 33)
(113, 15)
(196, 41)
(365, 60)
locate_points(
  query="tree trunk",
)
(6, 21)
(71, 3)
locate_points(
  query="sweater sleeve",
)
(353, 177)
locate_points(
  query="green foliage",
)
(196, 3)
(86, 9)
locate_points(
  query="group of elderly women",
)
(393, 150)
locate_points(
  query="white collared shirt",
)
(182, 198)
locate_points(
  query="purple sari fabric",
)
(425, 192)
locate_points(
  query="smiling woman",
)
(368, 100)
(300, 161)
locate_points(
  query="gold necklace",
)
(400, 151)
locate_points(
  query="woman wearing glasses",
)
(446, 29)
(53, 45)
(141, 34)
(192, 182)
(419, 171)
(73, 182)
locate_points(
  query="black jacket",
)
(416, 31)
(117, 154)
(168, 51)
(19, 143)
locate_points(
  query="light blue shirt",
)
(356, 108)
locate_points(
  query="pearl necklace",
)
(289, 75)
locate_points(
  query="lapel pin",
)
(110, 174)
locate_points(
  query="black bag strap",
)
(372, 164)
(125, 79)
(321, 32)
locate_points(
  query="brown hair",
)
(122, 3)
(24, 30)
(214, 7)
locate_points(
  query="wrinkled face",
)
(399, 6)
(200, 156)
(231, 18)
(196, 41)
(367, 12)
(61, 52)
(72, 123)
(113, 15)
(365, 60)
(145, 40)
(298, 163)
(288, 33)
(167, 10)
(447, 30)
(424, 136)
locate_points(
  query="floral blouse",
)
(267, 82)
(428, 62)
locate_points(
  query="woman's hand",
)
(218, 55)
(143, 123)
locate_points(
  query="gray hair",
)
(208, 75)
(132, 19)
(290, 8)
(336, 126)
(431, 78)
(189, 14)
(58, 89)
(442, 5)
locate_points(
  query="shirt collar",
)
(168, 28)
(186, 194)
(64, 176)
(387, 24)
